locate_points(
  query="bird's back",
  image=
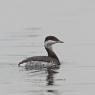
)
(40, 62)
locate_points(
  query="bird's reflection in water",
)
(55, 92)
(50, 81)
(50, 77)
(51, 71)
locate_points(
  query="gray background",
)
(23, 26)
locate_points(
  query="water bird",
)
(47, 61)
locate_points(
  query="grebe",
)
(51, 58)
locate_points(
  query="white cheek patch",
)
(49, 43)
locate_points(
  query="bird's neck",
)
(51, 53)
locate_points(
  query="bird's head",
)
(50, 40)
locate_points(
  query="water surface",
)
(75, 76)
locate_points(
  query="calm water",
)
(75, 76)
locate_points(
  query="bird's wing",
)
(36, 58)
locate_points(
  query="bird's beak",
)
(60, 42)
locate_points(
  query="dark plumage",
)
(51, 38)
(51, 58)
(40, 58)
